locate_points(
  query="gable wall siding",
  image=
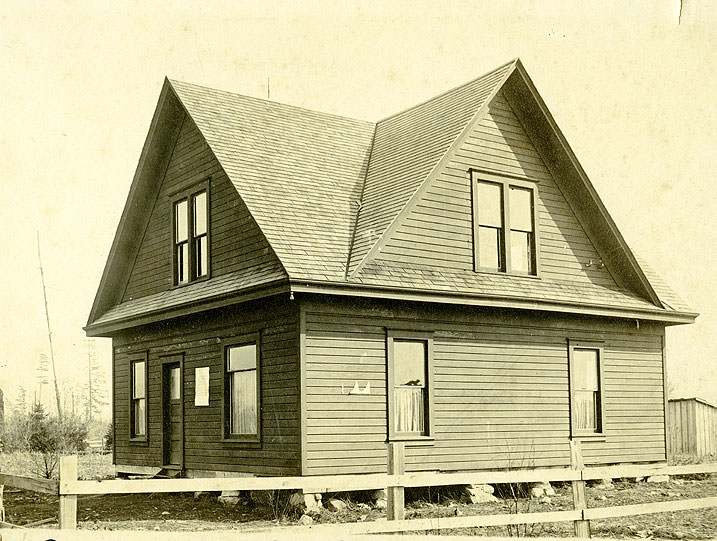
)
(236, 242)
(438, 230)
(406, 148)
(500, 388)
(199, 338)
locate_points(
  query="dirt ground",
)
(185, 512)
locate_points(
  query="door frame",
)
(174, 358)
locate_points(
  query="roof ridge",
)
(268, 101)
(445, 92)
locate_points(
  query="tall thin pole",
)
(49, 332)
(90, 363)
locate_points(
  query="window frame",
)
(188, 195)
(138, 438)
(429, 412)
(227, 344)
(505, 182)
(600, 432)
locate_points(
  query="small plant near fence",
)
(518, 496)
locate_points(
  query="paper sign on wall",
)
(201, 386)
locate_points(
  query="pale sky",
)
(633, 92)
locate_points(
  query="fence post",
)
(582, 527)
(68, 502)
(395, 501)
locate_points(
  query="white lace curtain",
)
(408, 403)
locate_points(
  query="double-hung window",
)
(505, 227)
(191, 240)
(409, 385)
(138, 399)
(242, 411)
(586, 389)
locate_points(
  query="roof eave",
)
(107, 329)
(489, 301)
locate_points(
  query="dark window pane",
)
(241, 358)
(200, 254)
(521, 259)
(521, 209)
(138, 380)
(409, 360)
(243, 402)
(182, 263)
(180, 220)
(490, 206)
(200, 214)
(489, 248)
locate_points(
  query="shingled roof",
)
(324, 190)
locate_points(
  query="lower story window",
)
(138, 408)
(409, 386)
(586, 389)
(242, 411)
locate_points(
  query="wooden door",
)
(172, 414)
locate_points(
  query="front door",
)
(172, 415)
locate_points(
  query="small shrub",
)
(279, 502)
(109, 438)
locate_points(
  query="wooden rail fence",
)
(395, 481)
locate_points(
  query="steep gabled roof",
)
(407, 147)
(327, 192)
(300, 172)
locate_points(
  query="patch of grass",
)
(90, 465)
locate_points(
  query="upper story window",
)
(191, 243)
(504, 235)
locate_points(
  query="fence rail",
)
(395, 481)
(45, 486)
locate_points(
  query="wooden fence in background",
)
(395, 481)
(692, 426)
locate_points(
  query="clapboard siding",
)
(199, 339)
(236, 243)
(500, 387)
(437, 232)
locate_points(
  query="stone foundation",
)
(305, 501)
(542, 489)
(478, 494)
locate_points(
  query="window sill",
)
(251, 442)
(506, 273)
(592, 436)
(190, 282)
(143, 441)
(412, 440)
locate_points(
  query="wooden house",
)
(692, 426)
(289, 290)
